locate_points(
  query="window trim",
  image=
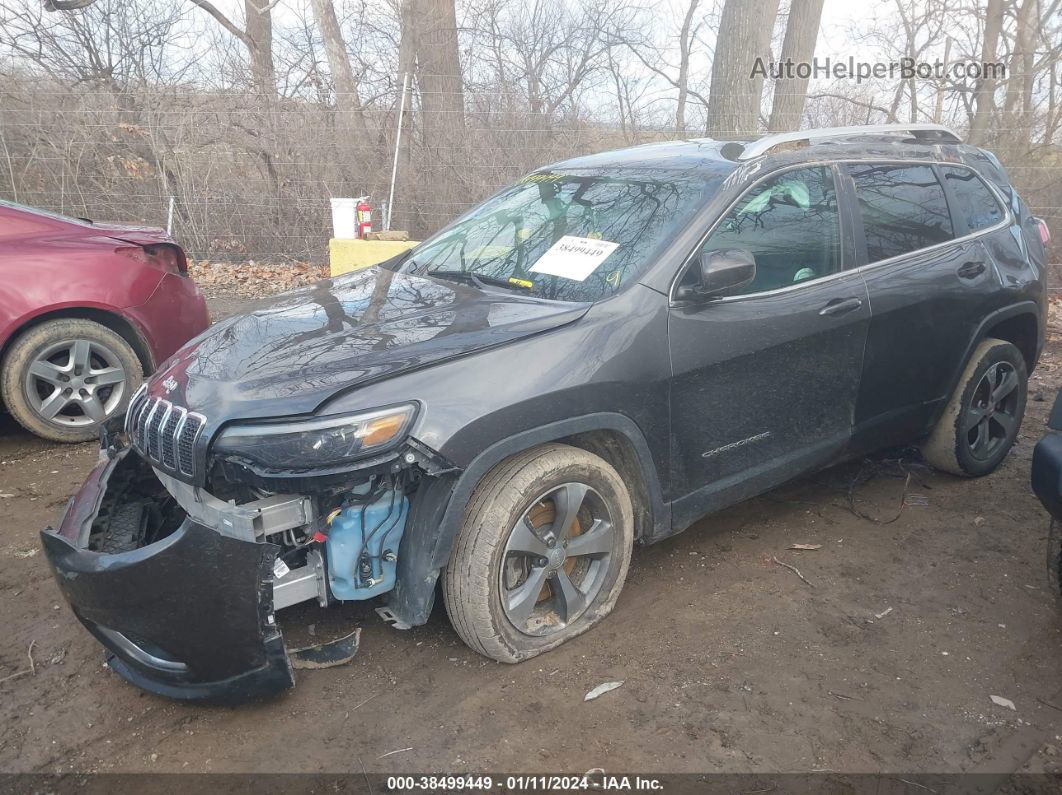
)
(840, 171)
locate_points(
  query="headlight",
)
(324, 442)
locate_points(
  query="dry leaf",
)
(253, 279)
(1003, 702)
(601, 689)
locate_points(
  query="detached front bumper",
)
(189, 616)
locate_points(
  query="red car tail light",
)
(166, 257)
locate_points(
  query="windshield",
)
(564, 236)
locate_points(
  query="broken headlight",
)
(323, 442)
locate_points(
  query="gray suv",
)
(596, 356)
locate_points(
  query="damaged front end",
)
(181, 585)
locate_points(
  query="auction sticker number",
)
(573, 257)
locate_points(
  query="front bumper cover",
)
(188, 617)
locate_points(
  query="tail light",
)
(164, 257)
(1045, 232)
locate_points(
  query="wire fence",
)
(241, 179)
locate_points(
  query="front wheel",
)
(981, 421)
(542, 553)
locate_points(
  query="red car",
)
(86, 310)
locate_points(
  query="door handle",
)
(971, 270)
(841, 306)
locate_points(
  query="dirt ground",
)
(883, 661)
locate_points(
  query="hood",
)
(291, 353)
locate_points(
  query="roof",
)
(931, 142)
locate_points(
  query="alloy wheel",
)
(991, 418)
(75, 383)
(556, 559)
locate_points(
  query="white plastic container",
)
(344, 219)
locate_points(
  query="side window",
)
(903, 209)
(791, 226)
(977, 207)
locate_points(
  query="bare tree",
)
(348, 101)
(801, 33)
(654, 59)
(433, 38)
(257, 37)
(737, 89)
(986, 85)
(1017, 104)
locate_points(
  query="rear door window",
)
(903, 208)
(976, 206)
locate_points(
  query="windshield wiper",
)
(479, 281)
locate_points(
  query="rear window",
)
(976, 205)
(903, 209)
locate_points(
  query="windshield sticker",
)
(574, 258)
(533, 179)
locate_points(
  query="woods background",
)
(252, 114)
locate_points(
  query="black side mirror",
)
(720, 270)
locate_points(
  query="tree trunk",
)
(438, 64)
(1018, 100)
(684, 67)
(986, 86)
(801, 33)
(348, 103)
(744, 36)
(259, 32)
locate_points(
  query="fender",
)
(437, 510)
(1026, 307)
(87, 310)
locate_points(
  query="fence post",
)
(169, 218)
(398, 144)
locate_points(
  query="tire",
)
(126, 530)
(100, 369)
(977, 430)
(485, 567)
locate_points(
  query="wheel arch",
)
(1022, 330)
(614, 437)
(437, 510)
(108, 318)
(1019, 324)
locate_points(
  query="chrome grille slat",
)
(164, 433)
(153, 431)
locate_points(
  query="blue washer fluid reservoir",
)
(362, 547)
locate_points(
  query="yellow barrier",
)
(353, 255)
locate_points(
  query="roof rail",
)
(934, 133)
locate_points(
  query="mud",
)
(882, 658)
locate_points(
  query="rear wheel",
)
(542, 553)
(981, 421)
(64, 378)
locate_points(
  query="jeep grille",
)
(163, 433)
